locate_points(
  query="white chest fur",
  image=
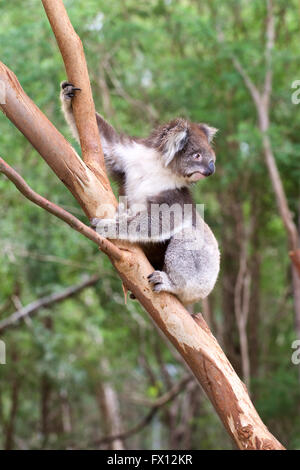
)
(146, 175)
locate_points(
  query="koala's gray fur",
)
(151, 172)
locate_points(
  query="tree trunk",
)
(10, 427)
(45, 408)
(110, 408)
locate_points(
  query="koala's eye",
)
(197, 156)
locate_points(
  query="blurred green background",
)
(149, 61)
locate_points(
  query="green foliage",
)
(166, 58)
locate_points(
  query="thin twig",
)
(125, 435)
(105, 245)
(166, 397)
(140, 105)
(155, 406)
(248, 81)
(45, 302)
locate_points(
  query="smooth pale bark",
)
(90, 188)
(71, 47)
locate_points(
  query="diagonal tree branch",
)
(254, 91)
(88, 187)
(130, 432)
(264, 96)
(166, 397)
(139, 105)
(105, 245)
(45, 302)
(155, 406)
(248, 81)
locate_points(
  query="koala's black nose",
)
(211, 166)
(210, 169)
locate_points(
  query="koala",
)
(154, 175)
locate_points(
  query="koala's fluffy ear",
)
(209, 131)
(174, 139)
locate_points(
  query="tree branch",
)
(264, 97)
(254, 91)
(126, 434)
(262, 102)
(270, 41)
(45, 302)
(248, 82)
(139, 105)
(105, 245)
(155, 406)
(166, 397)
(72, 53)
(88, 187)
(295, 257)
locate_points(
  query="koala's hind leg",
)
(192, 266)
(174, 277)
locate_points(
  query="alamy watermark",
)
(296, 354)
(296, 95)
(2, 353)
(154, 222)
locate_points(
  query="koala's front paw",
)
(94, 222)
(107, 228)
(159, 281)
(68, 90)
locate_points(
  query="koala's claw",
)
(68, 90)
(156, 279)
(94, 222)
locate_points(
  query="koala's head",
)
(186, 149)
